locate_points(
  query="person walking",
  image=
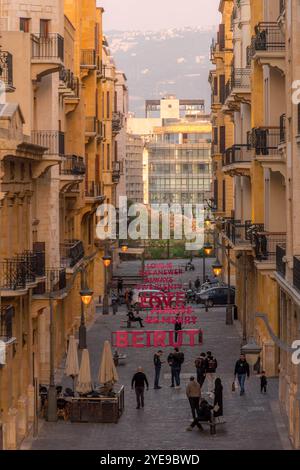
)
(197, 283)
(193, 392)
(177, 326)
(139, 380)
(120, 285)
(175, 360)
(157, 366)
(218, 400)
(114, 306)
(211, 368)
(263, 382)
(242, 370)
(200, 364)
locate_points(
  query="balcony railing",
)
(6, 68)
(282, 129)
(88, 58)
(268, 37)
(265, 140)
(236, 154)
(45, 47)
(117, 122)
(72, 165)
(72, 252)
(55, 280)
(240, 78)
(116, 172)
(296, 272)
(281, 7)
(6, 322)
(54, 141)
(265, 244)
(23, 269)
(280, 254)
(70, 80)
(93, 189)
(90, 125)
(236, 231)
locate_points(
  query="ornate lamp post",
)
(124, 247)
(207, 249)
(217, 269)
(86, 296)
(107, 262)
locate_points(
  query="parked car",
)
(216, 296)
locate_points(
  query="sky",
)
(158, 14)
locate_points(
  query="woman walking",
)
(218, 400)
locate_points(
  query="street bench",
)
(212, 425)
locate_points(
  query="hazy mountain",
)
(170, 61)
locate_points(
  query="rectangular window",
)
(25, 25)
(108, 156)
(107, 105)
(222, 88)
(222, 139)
(215, 86)
(44, 28)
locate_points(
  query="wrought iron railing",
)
(117, 122)
(268, 37)
(55, 280)
(282, 128)
(265, 244)
(88, 58)
(265, 140)
(72, 165)
(236, 154)
(6, 68)
(116, 171)
(281, 7)
(54, 141)
(93, 189)
(240, 77)
(50, 46)
(70, 80)
(280, 254)
(72, 252)
(6, 322)
(296, 272)
(236, 231)
(23, 269)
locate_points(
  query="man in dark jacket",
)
(138, 381)
(211, 368)
(242, 370)
(177, 327)
(175, 360)
(157, 366)
(200, 364)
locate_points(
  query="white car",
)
(145, 293)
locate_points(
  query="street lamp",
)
(217, 269)
(124, 247)
(207, 249)
(107, 262)
(207, 222)
(86, 296)
(251, 351)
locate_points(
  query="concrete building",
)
(134, 169)
(259, 223)
(57, 164)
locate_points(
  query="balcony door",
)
(44, 28)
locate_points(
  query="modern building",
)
(134, 169)
(57, 165)
(259, 216)
(177, 161)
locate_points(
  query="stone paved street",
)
(252, 421)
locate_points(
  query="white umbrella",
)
(72, 366)
(107, 372)
(84, 383)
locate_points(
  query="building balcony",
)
(280, 256)
(268, 45)
(94, 192)
(54, 141)
(55, 280)
(296, 272)
(69, 83)
(116, 171)
(72, 252)
(6, 70)
(88, 59)
(265, 141)
(282, 129)
(238, 233)
(7, 313)
(240, 82)
(265, 245)
(90, 127)
(100, 131)
(117, 122)
(237, 159)
(21, 271)
(72, 165)
(47, 54)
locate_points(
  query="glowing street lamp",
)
(86, 296)
(107, 262)
(207, 249)
(124, 247)
(217, 269)
(207, 222)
